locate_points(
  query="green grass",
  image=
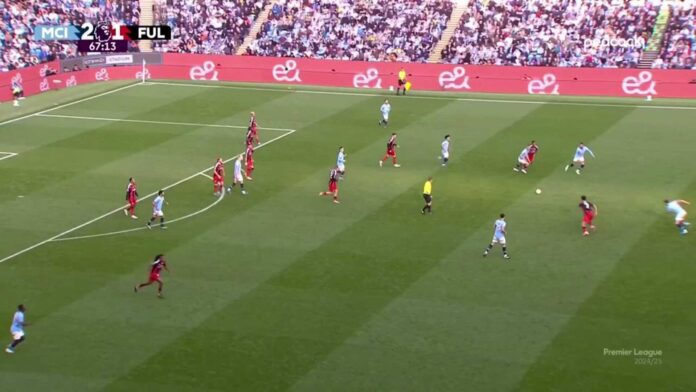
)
(283, 290)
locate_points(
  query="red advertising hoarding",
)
(333, 73)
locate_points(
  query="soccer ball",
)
(538, 191)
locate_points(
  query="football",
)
(538, 191)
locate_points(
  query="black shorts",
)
(428, 198)
(402, 82)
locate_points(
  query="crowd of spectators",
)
(206, 26)
(370, 30)
(679, 45)
(567, 33)
(18, 49)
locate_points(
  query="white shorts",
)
(445, 155)
(238, 178)
(580, 160)
(342, 168)
(680, 217)
(385, 117)
(17, 335)
(523, 161)
(158, 213)
(498, 240)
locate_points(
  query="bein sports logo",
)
(287, 72)
(202, 72)
(542, 86)
(102, 74)
(369, 79)
(455, 80)
(641, 85)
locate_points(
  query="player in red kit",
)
(155, 269)
(391, 151)
(219, 177)
(589, 211)
(253, 134)
(532, 149)
(131, 198)
(333, 185)
(249, 162)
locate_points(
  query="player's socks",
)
(505, 253)
(380, 163)
(125, 211)
(162, 223)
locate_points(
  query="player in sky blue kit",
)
(579, 158)
(341, 161)
(676, 207)
(445, 150)
(385, 109)
(499, 237)
(157, 212)
(17, 329)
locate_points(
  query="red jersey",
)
(391, 144)
(532, 149)
(131, 192)
(219, 169)
(586, 207)
(250, 137)
(333, 176)
(157, 266)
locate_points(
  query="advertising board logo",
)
(71, 82)
(205, 72)
(143, 74)
(102, 74)
(546, 85)
(641, 85)
(369, 79)
(455, 80)
(44, 85)
(287, 72)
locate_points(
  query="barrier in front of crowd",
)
(363, 75)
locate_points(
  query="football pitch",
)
(280, 289)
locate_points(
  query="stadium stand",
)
(379, 30)
(550, 32)
(206, 26)
(679, 46)
(18, 49)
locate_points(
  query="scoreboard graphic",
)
(102, 37)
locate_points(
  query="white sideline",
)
(156, 122)
(380, 93)
(6, 155)
(67, 104)
(119, 209)
(202, 210)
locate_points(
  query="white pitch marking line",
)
(6, 155)
(205, 175)
(67, 104)
(119, 209)
(379, 93)
(213, 204)
(157, 122)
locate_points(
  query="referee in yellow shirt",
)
(428, 196)
(402, 81)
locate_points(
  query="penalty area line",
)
(119, 209)
(7, 155)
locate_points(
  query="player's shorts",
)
(154, 277)
(391, 153)
(342, 168)
(385, 116)
(333, 186)
(587, 218)
(157, 213)
(402, 82)
(531, 158)
(218, 180)
(16, 335)
(580, 160)
(523, 161)
(250, 164)
(428, 198)
(498, 239)
(133, 201)
(680, 216)
(445, 155)
(238, 178)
